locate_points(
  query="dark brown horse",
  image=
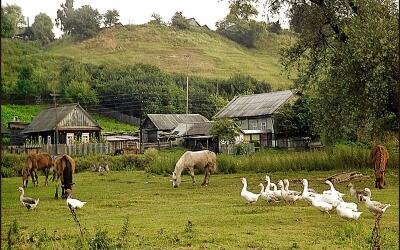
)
(64, 169)
(379, 159)
(33, 163)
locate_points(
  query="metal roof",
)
(46, 119)
(170, 121)
(254, 105)
(198, 128)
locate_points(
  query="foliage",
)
(239, 25)
(156, 19)
(295, 119)
(28, 86)
(83, 22)
(80, 92)
(111, 17)
(275, 27)
(347, 59)
(100, 241)
(42, 28)
(226, 130)
(179, 21)
(11, 20)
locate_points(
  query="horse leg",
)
(37, 179)
(46, 172)
(191, 173)
(33, 177)
(206, 177)
(56, 194)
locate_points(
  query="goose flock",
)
(324, 202)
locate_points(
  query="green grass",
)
(211, 55)
(27, 112)
(158, 214)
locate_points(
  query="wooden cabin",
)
(72, 122)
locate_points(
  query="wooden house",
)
(255, 115)
(158, 127)
(16, 128)
(72, 122)
(196, 135)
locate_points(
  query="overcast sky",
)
(137, 11)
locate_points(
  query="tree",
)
(225, 129)
(11, 20)
(348, 63)
(65, 16)
(111, 18)
(179, 21)
(42, 28)
(83, 22)
(80, 92)
(157, 19)
(239, 25)
(275, 27)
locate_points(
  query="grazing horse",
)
(64, 169)
(379, 159)
(204, 159)
(33, 163)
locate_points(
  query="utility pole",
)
(54, 95)
(187, 91)
(141, 145)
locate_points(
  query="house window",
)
(254, 126)
(40, 139)
(85, 137)
(49, 139)
(264, 126)
(70, 138)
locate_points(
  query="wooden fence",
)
(233, 149)
(73, 149)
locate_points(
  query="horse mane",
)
(68, 170)
(212, 159)
(379, 157)
(180, 165)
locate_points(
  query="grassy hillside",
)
(27, 112)
(210, 55)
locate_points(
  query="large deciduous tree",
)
(11, 20)
(111, 17)
(42, 28)
(179, 21)
(348, 62)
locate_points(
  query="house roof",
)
(254, 105)
(46, 120)
(197, 128)
(192, 21)
(170, 121)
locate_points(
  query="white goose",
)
(269, 193)
(249, 197)
(29, 203)
(306, 191)
(289, 198)
(286, 186)
(74, 204)
(321, 205)
(333, 191)
(347, 213)
(277, 193)
(374, 207)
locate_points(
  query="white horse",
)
(204, 159)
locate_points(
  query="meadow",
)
(141, 210)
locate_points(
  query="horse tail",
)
(68, 171)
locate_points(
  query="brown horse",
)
(379, 159)
(64, 169)
(33, 163)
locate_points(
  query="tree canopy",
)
(111, 17)
(42, 28)
(11, 20)
(179, 21)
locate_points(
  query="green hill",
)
(210, 54)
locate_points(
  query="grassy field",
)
(27, 112)
(210, 54)
(158, 215)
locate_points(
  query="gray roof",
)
(170, 121)
(254, 105)
(198, 128)
(46, 119)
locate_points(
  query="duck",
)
(28, 202)
(248, 196)
(321, 205)
(358, 194)
(74, 204)
(374, 207)
(289, 198)
(347, 213)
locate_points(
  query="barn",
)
(255, 116)
(72, 122)
(158, 127)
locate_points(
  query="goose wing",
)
(28, 200)
(378, 205)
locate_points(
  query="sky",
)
(138, 11)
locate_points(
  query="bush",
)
(12, 164)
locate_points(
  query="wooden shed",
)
(72, 122)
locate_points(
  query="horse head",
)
(25, 177)
(176, 181)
